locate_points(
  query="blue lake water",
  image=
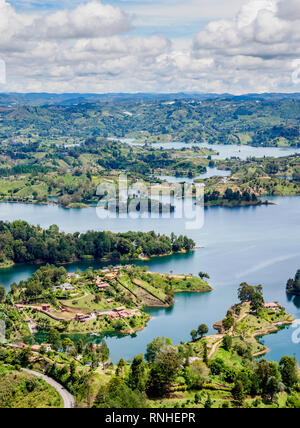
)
(259, 245)
(226, 151)
(211, 172)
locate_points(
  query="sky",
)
(216, 46)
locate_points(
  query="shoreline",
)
(104, 259)
(240, 205)
(274, 329)
(85, 206)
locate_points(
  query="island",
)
(24, 243)
(293, 285)
(69, 176)
(105, 301)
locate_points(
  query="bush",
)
(217, 366)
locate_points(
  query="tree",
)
(24, 357)
(121, 368)
(155, 346)
(67, 344)
(202, 330)
(73, 369)
(54, 338)
(238, 392)
(246, 291)
(227, 342)
(257, 302)
(203, 275)
(217, 366)
(164, 371)
(118, 395)
(208, 403)
(288, 370)
(205, 353)
(194, 335)
(2, 294)
(272, 386)
(103, 352)
(293, 285)
(265, 371)
(137, 374)
(197, 398)
(228, 322)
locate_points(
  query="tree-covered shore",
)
(21, 242)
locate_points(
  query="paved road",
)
(68, 399)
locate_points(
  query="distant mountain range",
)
(38, 99)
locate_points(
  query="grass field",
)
(21, 390)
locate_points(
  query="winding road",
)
(68, 399)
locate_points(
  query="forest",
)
(21, 242)
(231, 120)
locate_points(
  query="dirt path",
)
(230, 333)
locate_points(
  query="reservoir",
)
(225, 151)
(259, 245)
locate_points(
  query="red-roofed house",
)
(272, 305)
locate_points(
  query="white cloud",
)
(259, 45)
(289, 9)
(93, 19)
(90, 49)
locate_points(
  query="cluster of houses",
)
(34, 348)
(45, 307)
(84, 317)
(117, 313)
(101, 285)
(274, 306)
(108, 275)
(122, 313)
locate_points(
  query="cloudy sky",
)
(235, 46)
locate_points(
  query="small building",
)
(21, 345)
(273, 306)
(114, 316)
(111, 276)
(47, 346)
(125, 314)
(78, 317)
(110, 300)
(94, 347)
(103, 286)
(35, 348)
(73, 275)
(82, 317)
(64, 287)
(120, 309)
(46, 307)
